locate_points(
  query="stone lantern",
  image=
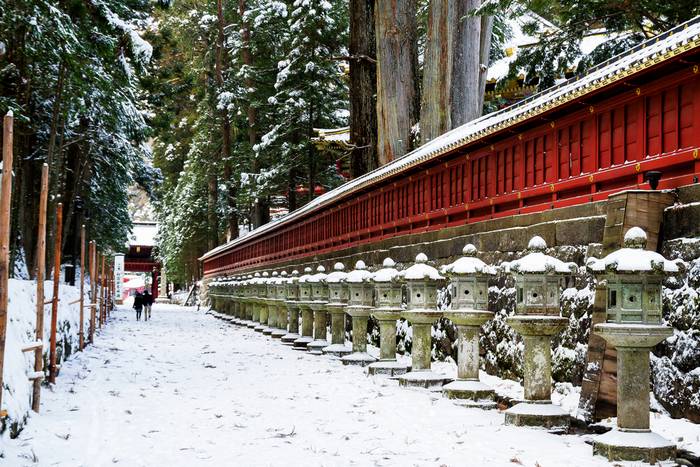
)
(469, 288)
(254, 299)
(389, 297)
(271, 303)
(422, 282)
(262, 302)
(633, 276)
(238, 303)
(292, 296)
(307, 314)
(250, 292)
(537, 319)
(360, 298)
(337, 301)
(280, 306)
(319, 294)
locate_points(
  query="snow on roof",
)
(388, 273)
(468, 264)
(633, 258)
(143, 234)
(669, 44)
(334, 135)
(421, 270)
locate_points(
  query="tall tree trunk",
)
(261, 207)
(226, 155)
(465, 66)
(435, 118)
(363, 88)
(397, 85)
(484, 53)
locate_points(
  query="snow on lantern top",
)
(293, 286)
(305, 284)
(537, 280)
(421, 270)
(337, 290)
(360, 290)
(388, 285)
(469, 281)
(319, 290)
(422, 281)
(633, 279)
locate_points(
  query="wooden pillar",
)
(56, 280)
(5, 205)
(102, 291)
(81, 329)
(40, 276)
(93, 289)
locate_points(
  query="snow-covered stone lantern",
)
(271, 303)
(422, 282)
(537, 319)
(633, 275)
(388, 293)
(281, 308)
(319, 295)
(360, 297)
(262, 302)
(250, 292)
(307, 314)
(469, 287)
(337, 301)
(255, 298)
(292, 296)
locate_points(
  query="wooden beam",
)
(5, 205)
(56, 280)
(40, 276)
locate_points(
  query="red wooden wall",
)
(583, 156)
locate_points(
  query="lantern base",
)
(358, 358)
(426, 379)
(289, 338)
(337, 350)
(388, 367)
(644, 446)
(267, 330)
(316, 347)
(251, 324)
(473, 393)
(302, 342)
(542, 414)
(277, 333)
(259, 327)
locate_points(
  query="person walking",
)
(138, 305)
(147, 304)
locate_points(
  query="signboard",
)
(118, 276)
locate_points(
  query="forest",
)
(213, 106)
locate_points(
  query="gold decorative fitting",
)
(695, 69)
(591, 109)
(491, 201)
(519, 195)
(551, 187)
(638, 167)
(695, 153)
(638, 91)
(552, 124)
(520, 136)
(590, 178)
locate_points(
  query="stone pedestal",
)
(467, 388)
(320, 331)
(262, 316)
(293, 333)
(359, 355)
(307, 326)
(387, 364)
(632, 440)
(537, 409)
(337, 347)
(421, 374)
(271, 323)
(280, 321)
(250, 313)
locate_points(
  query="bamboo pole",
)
(93, 309)
(56, 282)
(40, 276)
(5, 204)
(81, 329)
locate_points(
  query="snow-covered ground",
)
(186, 389)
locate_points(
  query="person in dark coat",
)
(138, 305)
(147, 303)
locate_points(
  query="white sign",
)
(118, 276)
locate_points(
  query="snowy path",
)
(186, 389)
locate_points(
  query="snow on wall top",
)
(143, 234)
(652, 52)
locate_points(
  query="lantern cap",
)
(468, 264)
(265, 274)
(388, 273)
(338, 274)
(421, 270)
(538, 262)
(275, 274)
(306, 276)
(632, 258)
(359, 274)
(320, 275)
